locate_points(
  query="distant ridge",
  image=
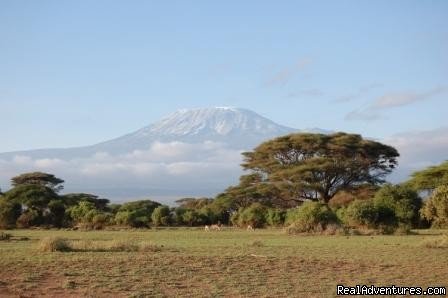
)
(191, 152)
(236, 127)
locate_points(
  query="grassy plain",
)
(229, 263)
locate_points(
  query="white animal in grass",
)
(212, 228)
(250, 228)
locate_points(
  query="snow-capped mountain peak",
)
(191, 151)
(218, 121)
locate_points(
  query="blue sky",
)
(78, 72)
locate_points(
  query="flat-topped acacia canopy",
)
(317, 166)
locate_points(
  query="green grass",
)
(230, 263)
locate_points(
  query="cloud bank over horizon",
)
(181, 169)
(418, 150)
(163, 166)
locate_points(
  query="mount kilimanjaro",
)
(190, 152)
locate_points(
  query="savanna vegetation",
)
(312, 185)
(180, 262)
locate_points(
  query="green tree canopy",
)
(193, 203)
(33, 196)
(137, 213)
(403, 200)
(83, 213)
(190, 217)
(146, 206)
(161, 216)
(9, 213)
(38, 178)
(252, 189)
(72, 199)
(307, 166)
(430, 178)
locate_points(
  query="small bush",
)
(367, 215)
(275, 217)
(312, 217)
(360, 214)
(52, 244)
(132, 218)
(161, 216)
(436, 208)
(100, 220)
(403, 201)
(253, 215)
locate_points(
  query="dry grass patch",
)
(147, 246)
(438, 242)
(52, 244)
(193, 263)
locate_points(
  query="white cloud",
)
(21, 160)
(48, 163)
(419, 149)
(162, 166)
(391, 100)
(101, 156)
(364, 115)
(405, 98)
(361, 92)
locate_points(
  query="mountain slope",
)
(237, 128)
(195, 152)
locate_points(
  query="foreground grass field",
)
(231, 263)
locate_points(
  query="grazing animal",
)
(215, 227)
(207, 228)
(250, 228)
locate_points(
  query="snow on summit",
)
(235, 127)
(220, 121)
(189, 152)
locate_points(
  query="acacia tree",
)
(32, 196)
(38, 178)
(430, 178)
(193, 203)
(251, 190)
(307, 166)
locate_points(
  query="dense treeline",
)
(307, 182)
